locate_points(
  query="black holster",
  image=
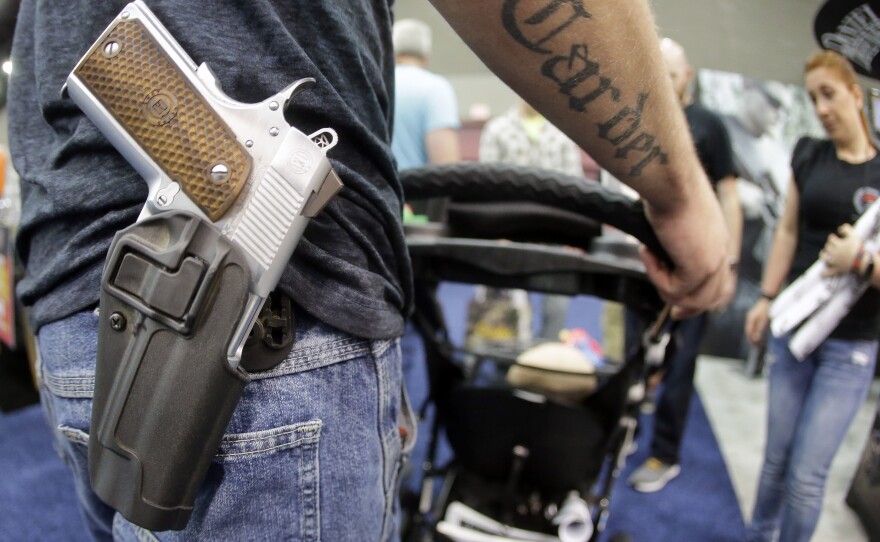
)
(173, 293)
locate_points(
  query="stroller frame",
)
(504, 481)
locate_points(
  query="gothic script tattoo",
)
(579, 77)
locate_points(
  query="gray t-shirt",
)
(351, 270)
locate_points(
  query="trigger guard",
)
(295, 89)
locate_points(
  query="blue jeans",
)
(680, 362)
(810, 407)
(674, 401)
(312, 452)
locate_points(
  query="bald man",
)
(713, 148)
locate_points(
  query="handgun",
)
(231, 188)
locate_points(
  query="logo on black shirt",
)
(864, 197)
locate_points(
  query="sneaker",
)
(653, 475)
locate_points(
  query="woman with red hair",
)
(812, 402)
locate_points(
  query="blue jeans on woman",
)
(312, 452)
(810, 407)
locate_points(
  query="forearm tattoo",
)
(580, 78)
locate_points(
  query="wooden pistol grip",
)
(137, 82)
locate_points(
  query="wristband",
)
(767, 296)
(857, 261)
(869, 271)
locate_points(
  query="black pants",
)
(678, 383)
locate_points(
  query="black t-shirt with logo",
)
(834, 192)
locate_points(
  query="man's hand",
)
(696, 240)
(840, 250)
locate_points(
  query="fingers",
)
(840, 251)
(680, 313)
(729, 290)
(756, 326)
(696, 240)
(755, 335)
(689, 293)
(663, 278)
(710, 293)
(750, 329)
(657, 271)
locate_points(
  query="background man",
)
(426, 118)
(713, 148)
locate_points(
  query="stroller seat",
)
(513, 436)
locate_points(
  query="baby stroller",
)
(528, 465)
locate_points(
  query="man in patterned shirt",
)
(523, 137)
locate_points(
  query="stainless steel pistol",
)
(232, 186)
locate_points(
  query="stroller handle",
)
(498, 182)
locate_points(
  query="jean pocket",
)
(75, 449)
(262, 485)
(67, 403)
(75, 436)
(243, 446)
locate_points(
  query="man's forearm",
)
(593, 69)
(443, 146)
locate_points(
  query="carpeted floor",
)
(698, 506)
(37, 497)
